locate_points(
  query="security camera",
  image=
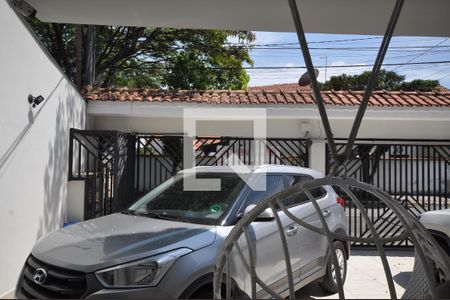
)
(23, 7)
(35, 101)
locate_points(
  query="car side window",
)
(274, 185)
(292, 180)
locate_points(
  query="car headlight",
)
(140, 273)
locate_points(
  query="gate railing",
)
(100, 159)
(416, 173)
(159, 157)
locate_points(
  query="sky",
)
(363, 50)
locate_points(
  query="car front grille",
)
(59, 284)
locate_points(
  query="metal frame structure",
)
(428, 253)
(429, 256)
(370, 85)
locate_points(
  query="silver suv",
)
(166, 244)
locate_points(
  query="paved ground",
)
(365, 276)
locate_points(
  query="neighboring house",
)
(403, 144)
(402, 133)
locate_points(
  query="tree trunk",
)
(78, 57)
(89, 78)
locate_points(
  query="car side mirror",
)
(266, 215)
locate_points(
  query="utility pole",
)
(326, 65)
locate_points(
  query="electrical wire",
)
(424, 52)
(295, 67)
(353, 48)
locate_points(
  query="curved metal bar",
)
(334, 259)
(298, 221)
(339, 236)
(258, 280)
(408, 227)
(228, 276)
(377, 242)
(252, 263)
(287, 258)
(425, 245)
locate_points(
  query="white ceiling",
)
(418, 18)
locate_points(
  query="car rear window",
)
(317, 193)
(274, 185)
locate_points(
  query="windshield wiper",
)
(150, 215)
(161, 216)
(128, 212)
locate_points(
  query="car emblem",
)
(40, 276)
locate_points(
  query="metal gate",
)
(104, 160)
(415, 173)
(159, 157)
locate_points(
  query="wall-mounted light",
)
(35, 101)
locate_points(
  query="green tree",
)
(420, 85)
(386, 80)
(152, 57)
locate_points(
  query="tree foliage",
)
(386, 80)
(153, 57)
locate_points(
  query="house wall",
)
(33, 146)
(289, 128)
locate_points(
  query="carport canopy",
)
(369, 17)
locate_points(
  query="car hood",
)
(103, 242)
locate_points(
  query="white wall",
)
(402, 128)
(33, 144)
(370, 128)
(275, 128)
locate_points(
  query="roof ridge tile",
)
(378, 98)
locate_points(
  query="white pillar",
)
(317, 156)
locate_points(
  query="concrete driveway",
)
(365, 276)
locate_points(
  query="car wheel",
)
(329, 283)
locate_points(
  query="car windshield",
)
(172, 201)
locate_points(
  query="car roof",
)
(267, 168)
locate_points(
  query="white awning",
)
(418, 18)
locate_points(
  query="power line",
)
(352, 55)
(320, 42)
(312, 42)
(420, 54)
(365, 48)
(443, 77)
(287, 67)
(437, 73)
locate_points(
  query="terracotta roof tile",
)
(255, 96)
(285, 87)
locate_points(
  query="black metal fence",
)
(159, 157)
(415, 173)
(102, 160)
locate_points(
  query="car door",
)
(311, 246)
(265, 238)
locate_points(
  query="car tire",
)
(329, 281)
(203, 293)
